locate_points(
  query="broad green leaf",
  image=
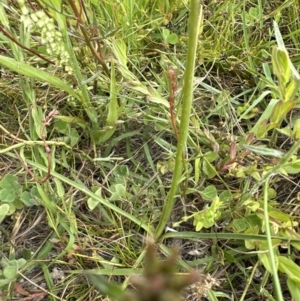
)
(255, 175)
(207, 217)
(291, 89)
(4, 282)
(239, 225)
(280, 110)
(279, 38)
(61, 126)
(21, 262)
(208, 169)
(262, 129)
(199, 225)
(209, 193)
(296, 130)
(172, 39)
(74, 137)
(27, 70)
(27, 199)
(165, 33)
(294, 288)
(104, 135)
(252, 205)
(158, 100)
(119, 191)
(4, 209)
(10, 272)
(292, 167)
(279, 216)
(7, 195)
(92, 203)
(211, 156)
(17, 203)
(265, 259)
(276, 115)
(10, 188)
(281, 64)
(265, 115)
(11, 182)
(108, 288)
(290, 268)
(250, 243)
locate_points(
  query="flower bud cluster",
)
(50, 36)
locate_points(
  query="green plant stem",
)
(195, 19)
(276, 282)
(249, 281)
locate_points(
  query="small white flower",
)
(24, 11)
(40, 23)
(21, 3)
(41, 14)
(34, 17)
(51, 27)
(27, 22)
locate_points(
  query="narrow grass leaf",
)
(106, 287)
(112, 115)
(119, 49)
(3, 16)
(264, 151)
(89, 193)
(32, 72)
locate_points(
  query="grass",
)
(130, 126)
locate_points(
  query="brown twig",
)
(41, 7)
(5, 33)
(98, 54)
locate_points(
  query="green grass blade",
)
(32, 72)
(89, 193)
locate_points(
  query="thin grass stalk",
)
(276, 282)
(195, 20)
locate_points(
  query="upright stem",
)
(276, 281)
(195, 20)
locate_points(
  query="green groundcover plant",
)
(173, 120)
